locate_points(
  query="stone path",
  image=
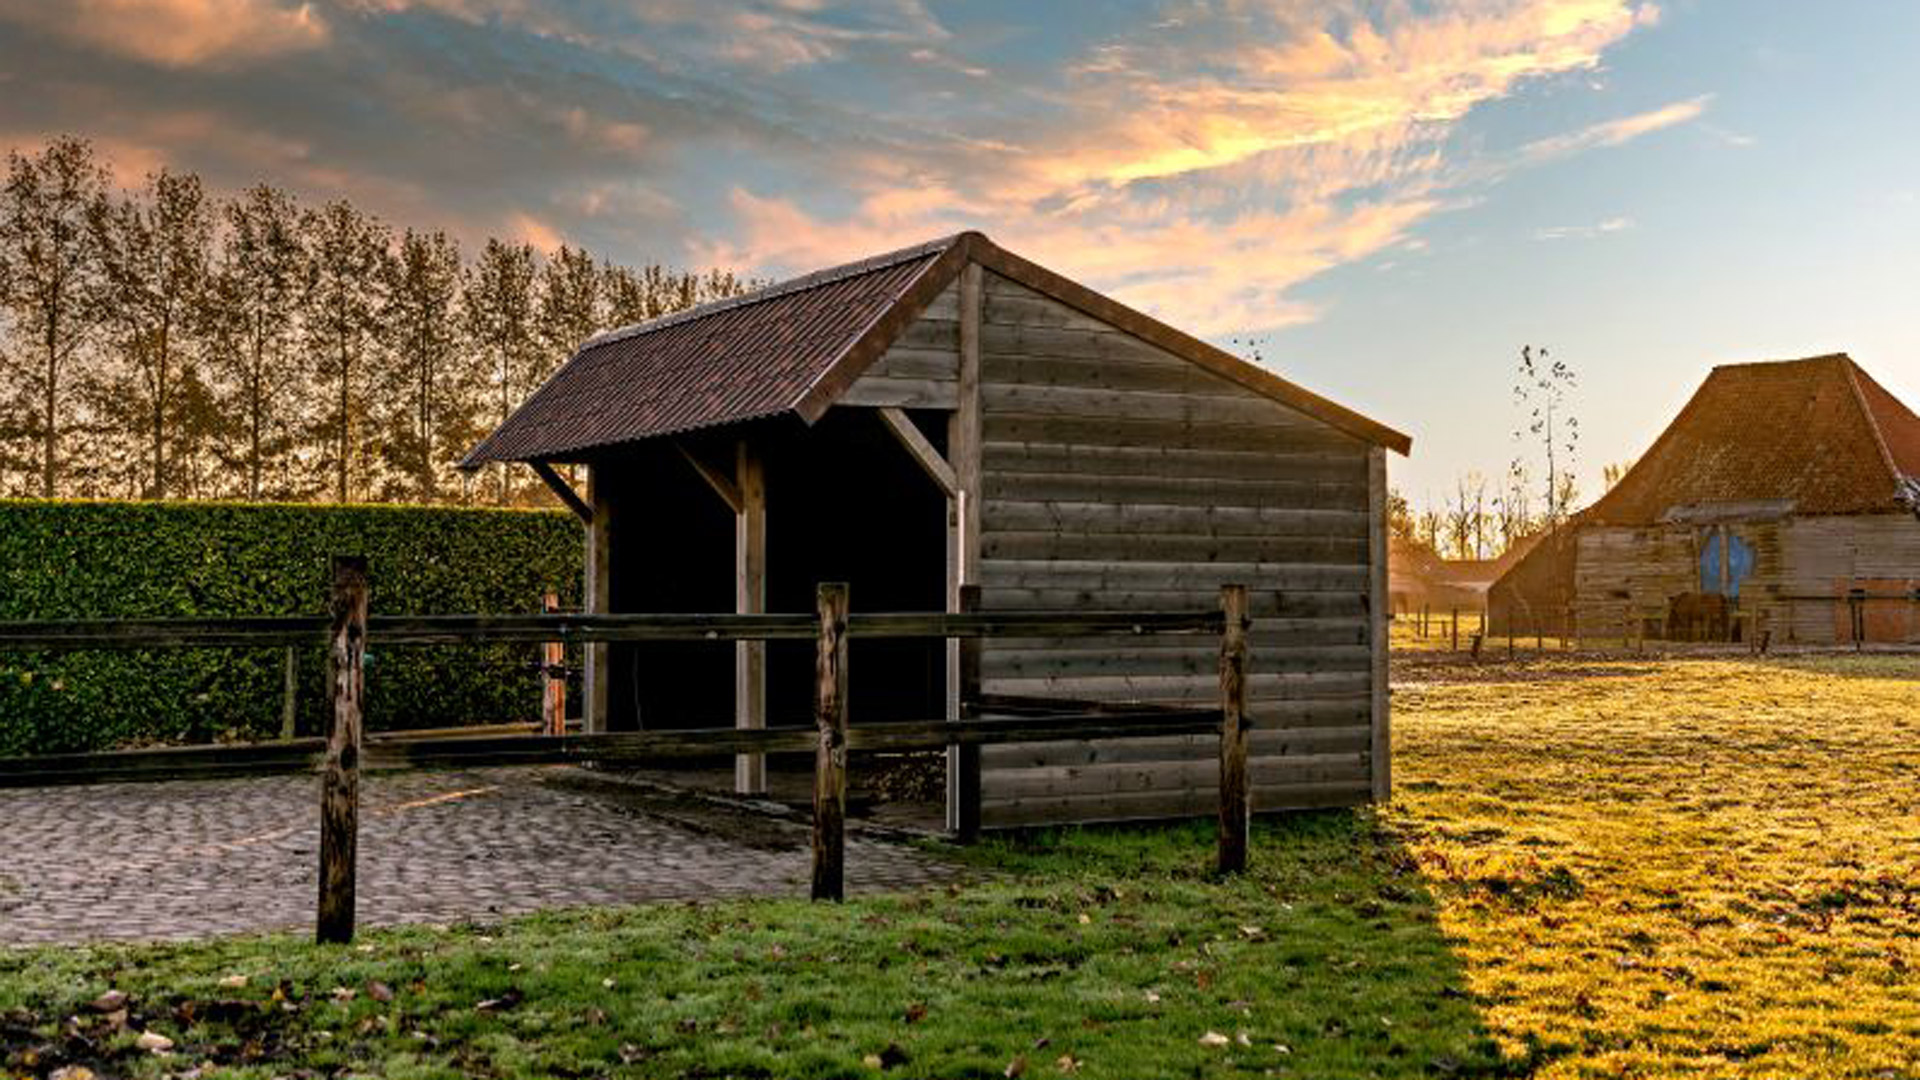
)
(195, 859)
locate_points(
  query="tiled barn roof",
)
(796, 346)
(1813, 436)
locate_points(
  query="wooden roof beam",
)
(564, 490)
(721, 484)
(910, 436)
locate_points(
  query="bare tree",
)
(1542, 388)
(1612, 474)
(52, 278)
(350, 253)
(155, 248)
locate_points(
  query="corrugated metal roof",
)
(737, 359)
(795, 347)
(1818, 434)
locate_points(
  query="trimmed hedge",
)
(81, 560)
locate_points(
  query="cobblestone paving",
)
(197, 859)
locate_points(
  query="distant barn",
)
(1784, 499)
(952, 413)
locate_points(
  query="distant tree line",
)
(170, 343)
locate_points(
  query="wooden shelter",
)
(1784, 499)
(952, 414)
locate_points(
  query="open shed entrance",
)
(844, 502)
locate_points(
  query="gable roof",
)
(1813, 436)
(795, 347)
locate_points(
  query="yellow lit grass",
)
(1676, 867)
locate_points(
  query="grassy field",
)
(1659, 868)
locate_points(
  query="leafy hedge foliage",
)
(77, 560)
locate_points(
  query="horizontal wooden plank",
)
(1266, 635)
(928, 332)
(1148, 490)
(1349, 466)
(873, 391)
(1161, 547)
(1011, 304)
(1125, 430)
(1083, 780)
(1125, 372)
(1263, 743)
(1042, 810)
(1025, 400)
(944, 306)
(1174, 689)
(904, 362)
(1199, 659)
(1295, 602)
(1198, 579)
(1001, 515)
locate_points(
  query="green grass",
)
(1659, 868)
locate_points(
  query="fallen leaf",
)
(1067, 1063)
(234, 982)
(1282, 1048)
(502, 1003)
(111, 1001)
(1016, 1067)
(1214, 1038)
(1041, 1043)
(379, 991)
(72, 1072)
(1153, 998)
(153, 1041)
(1243, 1039)
(871, 1061)
(916, 1012)
(1085, 918)
(606, 984)
(344, 993)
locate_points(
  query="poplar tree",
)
(263, 277)
(341, 324)
(431, 408)
(499, 313)
(155, 248)
(52, 284)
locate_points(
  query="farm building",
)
(1784, 500)
(1420, 579)
(954, 414)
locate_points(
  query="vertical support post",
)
(340, 779)
(1456, 629)
(750, 598)
(1236, 809)
(966, 777)
(290, 695)
(830, 758)
(1380, 746)
(553, 672)
(964, 434)
(599, 600)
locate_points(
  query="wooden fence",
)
(342, 755)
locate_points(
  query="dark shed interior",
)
(845, 502)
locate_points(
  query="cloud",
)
(1583, 232)
(176, 33)
(1201, 160)
(1614, 132)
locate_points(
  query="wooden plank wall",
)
(1116, 475)
(921, 369)
(1625, 572)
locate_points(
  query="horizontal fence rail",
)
(349, 632)
(454, 629)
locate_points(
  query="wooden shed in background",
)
(953, 414)
(1784, 498)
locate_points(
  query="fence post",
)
(830, 759)
(967, 757)
(553, 685)
(340, 781)
(1456, 629)
(1235, 807)
(290, 695)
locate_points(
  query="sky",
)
(1383, 201)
